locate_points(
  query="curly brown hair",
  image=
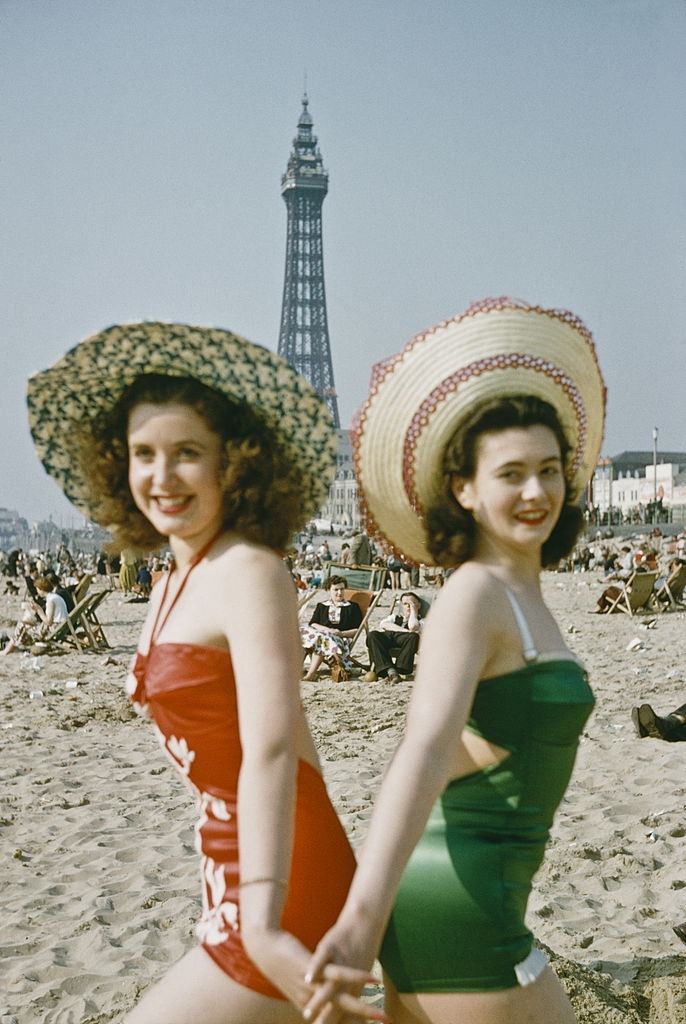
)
(337, 581)
(451, 529)
(263, 499)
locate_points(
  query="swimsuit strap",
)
(530, 650)
(158, 626)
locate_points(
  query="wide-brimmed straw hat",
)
(418, 398)
(91, 377)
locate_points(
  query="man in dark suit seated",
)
(397, 637)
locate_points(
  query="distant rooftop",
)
(647, 456)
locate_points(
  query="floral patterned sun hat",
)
(92, 376)
(418, 398)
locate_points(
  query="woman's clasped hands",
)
(281, 956)
(337, 983)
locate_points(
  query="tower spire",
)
(304, 332)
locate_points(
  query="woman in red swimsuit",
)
(197, 438)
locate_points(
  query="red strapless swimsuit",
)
(189, 692)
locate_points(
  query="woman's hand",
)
(350, 945)
(285, 961)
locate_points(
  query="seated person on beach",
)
(332, 626)
(610, 594)
(621, 566)
(36, 622)
(671, 727)
(666, 570)
(398, 635)
(65, 592)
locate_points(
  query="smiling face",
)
(517, 490)
(175, 462)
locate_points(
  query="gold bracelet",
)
(258, 881)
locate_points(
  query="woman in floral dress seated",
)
(332, 627)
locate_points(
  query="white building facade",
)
(342, 505)
(632, 490)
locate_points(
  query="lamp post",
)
(654, 474)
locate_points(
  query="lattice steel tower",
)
(304, 332)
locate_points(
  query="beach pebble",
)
(586, 941)
(636, 644)
(71, 684)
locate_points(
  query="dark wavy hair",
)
(451, 529)
(262, 494)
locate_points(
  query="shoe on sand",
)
(647, 723)
(370, 677)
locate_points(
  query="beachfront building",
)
(627, 486)
(342, 507)
(14, 529)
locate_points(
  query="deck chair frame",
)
(634, 594)
(358, 577)
(671, 593)
(92, 624)
(83, 615)
(81, 588)
(373, 597)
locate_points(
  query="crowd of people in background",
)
(616, 558)
(309, 561)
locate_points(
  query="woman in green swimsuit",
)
(472, 451)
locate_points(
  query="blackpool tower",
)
(304, 332)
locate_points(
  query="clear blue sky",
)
(475, 147)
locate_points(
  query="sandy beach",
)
(101, 885)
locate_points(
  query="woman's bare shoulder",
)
(472, 601)
(472, 583)
(242, 561)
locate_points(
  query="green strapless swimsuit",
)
(458, 920)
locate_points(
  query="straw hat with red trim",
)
(418, 398)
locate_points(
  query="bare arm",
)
(456, 647)
(262, 631)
